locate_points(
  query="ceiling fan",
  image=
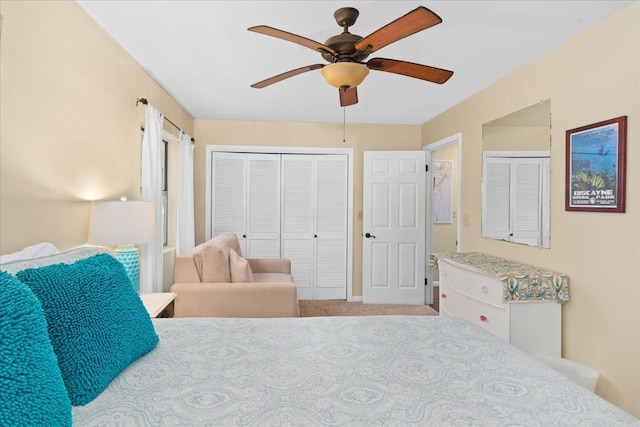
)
(346, 52)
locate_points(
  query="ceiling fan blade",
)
(418, 19)
(418, 71)
(291, 73)
(348, 96)
(290, 37)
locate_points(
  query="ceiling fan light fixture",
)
(344, 74)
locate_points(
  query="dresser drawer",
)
(486, 289)
(489, 317)
(470, 289)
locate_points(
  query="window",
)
(164, 158)
(164, 166)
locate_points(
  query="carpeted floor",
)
(309, 308)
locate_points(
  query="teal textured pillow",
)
(31, 389)
(96, 321)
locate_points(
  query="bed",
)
(344, 371)
(109, 364)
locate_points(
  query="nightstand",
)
(159, 305)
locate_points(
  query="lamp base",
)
(128, 257)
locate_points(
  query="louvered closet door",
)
(298, 207)
(229, 195)
(331, 227)
(527, 214)
(263, 206)
(546, 200)
(497, 201)
(314, 218)
(246, 201)
(515, 191)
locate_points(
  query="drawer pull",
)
(485, 289)
(443, 296)
(483, 318)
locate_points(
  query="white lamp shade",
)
(122, 223)
(341, 74)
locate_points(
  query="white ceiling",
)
(202, 54)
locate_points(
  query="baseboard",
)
(357, 298)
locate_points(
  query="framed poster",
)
(443, 192)
(595, 168)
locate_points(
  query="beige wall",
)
(496, 138)
(593, 77)
(69, 125)
(359, 137)
(446, 234)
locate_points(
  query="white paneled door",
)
(393, 226)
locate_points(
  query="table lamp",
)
(123, 224)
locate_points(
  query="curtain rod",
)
(145, 102)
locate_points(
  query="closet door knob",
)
(244, 236)
(369, 235)
(315, 235)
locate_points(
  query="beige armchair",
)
(213, 280)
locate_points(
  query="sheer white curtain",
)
(185, 234)
(151, 275)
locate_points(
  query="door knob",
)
(368, 235)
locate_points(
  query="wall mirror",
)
(516, 169)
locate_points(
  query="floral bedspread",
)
(340, 371)
(521, 281)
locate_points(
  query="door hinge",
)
(426, 281)
(426, 168)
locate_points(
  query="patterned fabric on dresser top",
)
(341, 371)
(521, 281)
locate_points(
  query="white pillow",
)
(35, 251)
(68, 257)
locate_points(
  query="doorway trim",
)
(455, 139)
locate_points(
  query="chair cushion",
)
(240, 268)
(272, 278)
(218, 268)
(227, 241)
(97, 323)
(213, 264)
(31, 388)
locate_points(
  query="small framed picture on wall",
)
(595, 167)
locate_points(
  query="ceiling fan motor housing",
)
(344, 45)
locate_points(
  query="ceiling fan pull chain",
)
(344, 124)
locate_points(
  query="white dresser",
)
(517, 302)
